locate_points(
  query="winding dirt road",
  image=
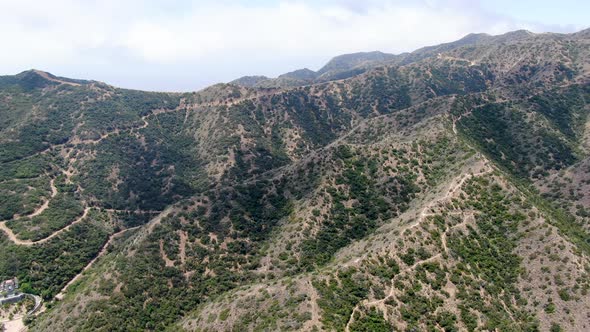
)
(45, 204)
(17, 241)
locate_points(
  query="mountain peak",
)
(249, 81)
(36, 72)
(31, 79)
(44, 78)
(473, 38)
(516, 35)
(349, 61)
(585, 32)
(305, 74)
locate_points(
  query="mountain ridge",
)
(307, 76)
(419, 195)
(356, 63)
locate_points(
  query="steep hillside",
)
(438, 190)
(475, 256)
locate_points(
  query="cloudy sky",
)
(182, 45)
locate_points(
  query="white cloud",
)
(120, 37)
(293, 28)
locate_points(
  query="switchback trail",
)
(12, 237)
(456, 184)
(45, 204)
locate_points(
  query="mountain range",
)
(446, 189)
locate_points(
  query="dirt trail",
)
(228, 103)
(391, 293)
(49, 78)
(183, 238)
(149, 226)
(342, 138)
(423, 214)
(168, 262)
(132, 211)
(452, 58)
(116, 131)
(315, 310)
(450, 192)
(35, 213)
(45, 204)
(77, 141)
(12, 237)
(17, 241)
(157, 219)
(102, 251)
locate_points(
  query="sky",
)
(183, 45)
